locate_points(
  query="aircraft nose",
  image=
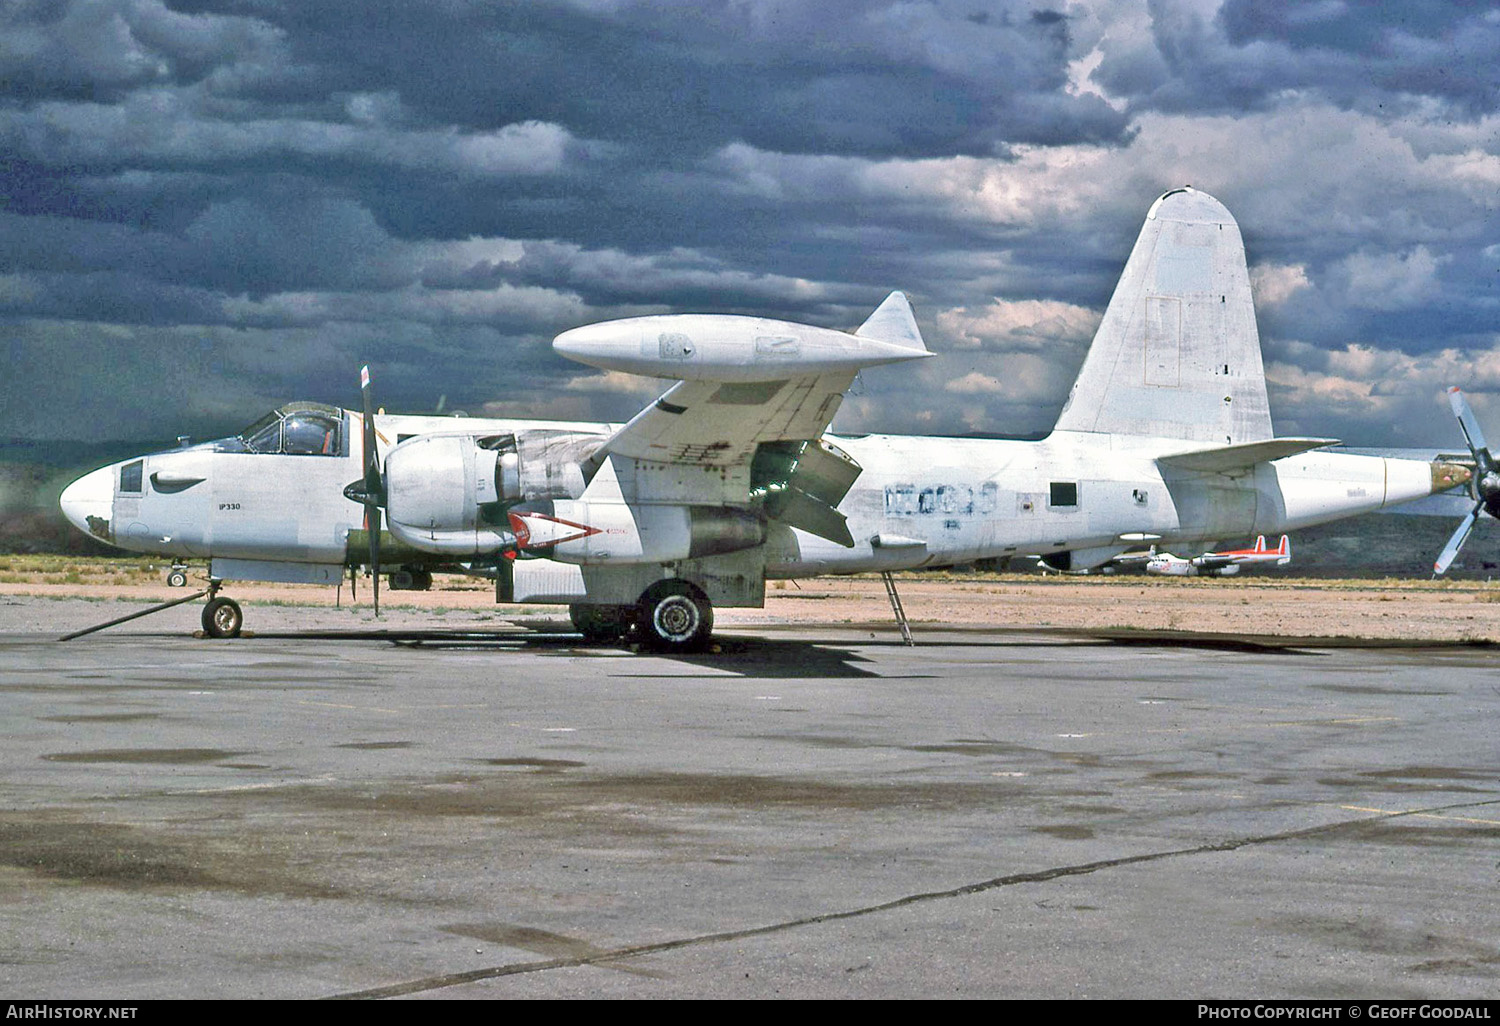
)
(87, 502)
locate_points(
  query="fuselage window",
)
(130, 477)
(1064, 493)
(927, 501)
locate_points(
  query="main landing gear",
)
(671, 616)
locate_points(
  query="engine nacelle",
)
(448, 493)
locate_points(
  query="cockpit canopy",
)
(296, 429)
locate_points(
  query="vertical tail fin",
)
(1178, 353)
(893, 321)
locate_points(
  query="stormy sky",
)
(210, 207)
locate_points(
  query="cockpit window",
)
(298, 429)
(264, 435)
(310, 434)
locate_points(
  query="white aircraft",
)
(731, 477)
(1222, 564)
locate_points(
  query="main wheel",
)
(675, 616)
(222, 618)
(600, 623)
(176, 579)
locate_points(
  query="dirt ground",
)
(1260, 605)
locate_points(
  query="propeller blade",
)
(373, 484)
(1450, 551)
(1467, 422)
(374, 532)
(374, 489)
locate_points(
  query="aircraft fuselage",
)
(918, 501)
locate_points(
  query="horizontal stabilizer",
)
(1225, 458)
(894, 322)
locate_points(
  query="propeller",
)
(1484, 486)
(370, 489)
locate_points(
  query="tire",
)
(600, 623)
(222, 618)
(675, 616)
(176, 579)
(407, 579)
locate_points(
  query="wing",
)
(720, 424)
(744, 427)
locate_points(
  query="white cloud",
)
(1274, 284)
(172, 125)
(1390, 281)
(1028, 324)
(975, 383)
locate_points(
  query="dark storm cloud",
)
(1360, 55)
(228, 203)
(854, 77)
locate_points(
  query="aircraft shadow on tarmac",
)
(782, 658)
(772, 658)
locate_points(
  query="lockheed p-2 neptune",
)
(732, 478)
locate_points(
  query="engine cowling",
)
(449, 494)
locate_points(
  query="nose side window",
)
(130, 477)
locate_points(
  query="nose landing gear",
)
(222, 617)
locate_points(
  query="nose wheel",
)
(222, 617)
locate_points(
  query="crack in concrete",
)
(1038, 876)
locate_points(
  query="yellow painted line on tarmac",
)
(1421, 815)
(1351, 721)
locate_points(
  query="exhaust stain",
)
(131, 858)
(163, 756)
(1066, 832)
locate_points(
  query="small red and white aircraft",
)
(1221, 563)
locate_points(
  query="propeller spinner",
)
(1484, 486)
(370, 489)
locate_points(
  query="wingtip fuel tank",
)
(730, 348)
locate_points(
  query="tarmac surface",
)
(501, 811)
